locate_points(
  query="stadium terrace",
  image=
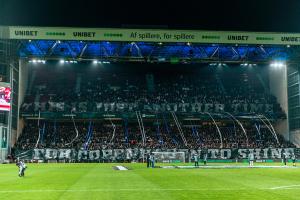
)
(97, 90)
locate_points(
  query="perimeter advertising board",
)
(5, 96)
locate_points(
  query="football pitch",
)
(101, 181)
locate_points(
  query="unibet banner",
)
(149, 35)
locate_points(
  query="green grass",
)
(100, 181)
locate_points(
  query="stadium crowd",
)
(205, 85)
(105, 136)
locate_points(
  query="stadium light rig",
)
(161, 59)
(67, 61)
(248, 64)
(277, 64)
(95, 62)
(37, 61)
(218, 64)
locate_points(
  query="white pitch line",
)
(115, 190)
(139, 189)
(284, 187)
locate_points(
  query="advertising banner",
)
(150, 35)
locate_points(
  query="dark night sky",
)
(240, 15)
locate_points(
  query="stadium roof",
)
(152, 45)
(151, 52)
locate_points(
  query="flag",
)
(160, 140)
(168, 131)
(43, 133)
(88, 136)
(54, 132)
(126, 130)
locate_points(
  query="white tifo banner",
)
(167, 155)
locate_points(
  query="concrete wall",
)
(295, 137)
(278, 87)
(23, 84)
(23, 80)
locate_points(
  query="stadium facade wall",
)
(293, 82)
(13, 115)
(13, 137)
(278, 88)
(23, 80)
(7, 57)
(23, 85)
(295, 137)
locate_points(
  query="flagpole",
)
(38, 140)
